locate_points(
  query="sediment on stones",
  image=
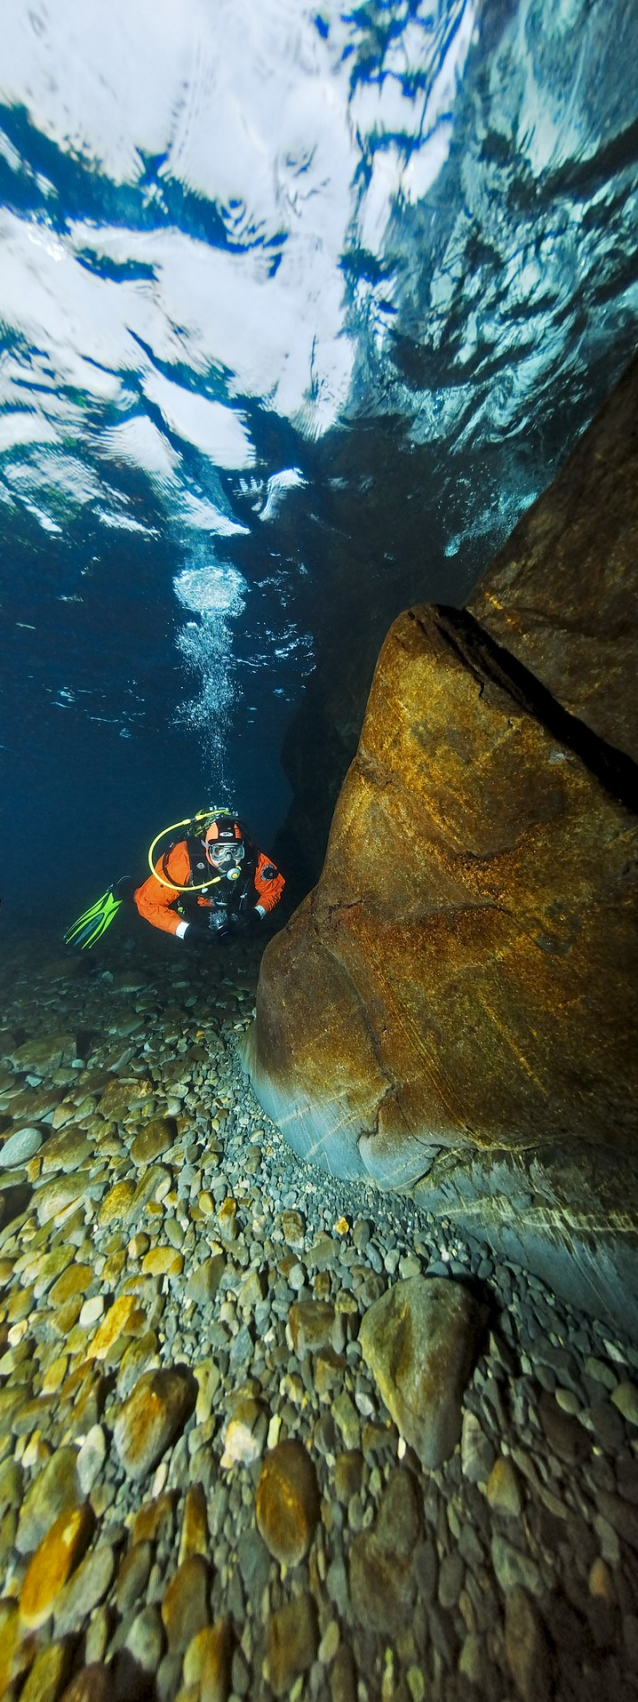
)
(274, 1340)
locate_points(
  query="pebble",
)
(513, 1567)
(115, 1206)
(526, 1648)
(207, 1662)
(47, 1676)
(144, 1641)
(113, 1325)
(185, 1603)
(382, 1576)
(55, 1489)
(133, 1575)
(55, 1199)
(226, 1262)
(287, 1502)
(292, 1643)
(502, 1489)
(153, 1140)
(86, 1588)
(625, 1398)
(151, 1418)
(19, 1147)
(245, 1434)
(91, 1311)
(311, 1324)
(162, 1261)
(52, 1563)
(293, 1228)
(418, 1341)
(94, 1683)
(204, 1281)
(600, 1580)
(477, 1452)
(347, 1421)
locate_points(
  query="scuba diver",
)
(210, 884)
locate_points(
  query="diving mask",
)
(225, 856)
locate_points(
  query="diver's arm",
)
(154, 900)
(269, 889)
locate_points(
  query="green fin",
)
(93, 922)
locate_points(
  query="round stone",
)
(112, 1326)
(55, 1490)
(245, 1434)
(20, 1147)
(526, 1647)
(49, 1672)
(207, 1662)
(157, 1409)
(145, 1639)
(162, 1261)
(287, 1505)
(52, 1563)
(91, 1457)
(502, 1489)
(74, 1281)
(152, 1141)
(382, 1578)
(115, 1205)
(91, 1311)
(133, 1575)
(93, 1684)
(185, 1604)
(625, 1398)
(292, 1643)
(85, 1589)
(66, 1150)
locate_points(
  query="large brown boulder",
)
(456, 1000)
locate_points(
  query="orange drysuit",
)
(187, 864)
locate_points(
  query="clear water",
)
(300, 309)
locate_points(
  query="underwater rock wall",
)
(562, 595)
(453, 1009)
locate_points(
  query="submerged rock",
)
(382, 1580)
(151, 1418)
(287, 1505)
(19, 1147)
(453, 1009)
(52, 1563)
(462, 972)
(44, 1054)
(419, 1341)
(292, 1643)
(55, 1490)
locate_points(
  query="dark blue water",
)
(299, 312)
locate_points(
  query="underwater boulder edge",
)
(459, 984)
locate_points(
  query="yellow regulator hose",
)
(191, 821)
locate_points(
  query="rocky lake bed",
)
(263, 1433)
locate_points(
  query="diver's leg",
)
(125, 887)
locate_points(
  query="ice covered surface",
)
(230, 233)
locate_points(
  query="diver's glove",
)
(233, 925)
(241, 923)
(199, 934)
